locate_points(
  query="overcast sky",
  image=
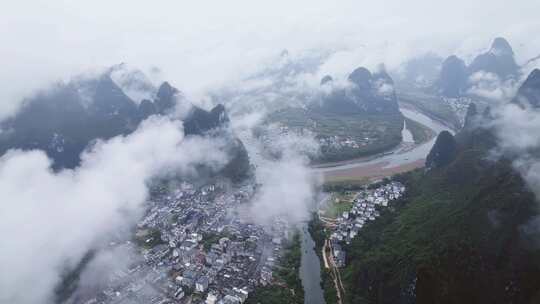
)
(198, 46)
(201, 44)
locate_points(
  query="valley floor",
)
(405, 157)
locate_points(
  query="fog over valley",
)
(305, 152)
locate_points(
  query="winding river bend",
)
(399, 160)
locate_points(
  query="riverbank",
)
(420, 135)
(310, 269)
(343, 136)
(432, 106)
(368, 173)
(286, 287)
(318, 233)
(408, 156)
(336, 234)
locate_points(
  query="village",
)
(366, 206)
(196, 250)
(336, 142)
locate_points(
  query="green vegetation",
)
(430, 105)
(419, 132)
(337, 208)
(338, 183)
(443, 151)
(373, 133)
(354, 185)
(340, 202)
(287, 287)
(272, 294)
(319, 234)
(148, 238)
(70, 279)
(212, 238)
(329, 289)
(346, 185)
(196, 297)
(457, 236)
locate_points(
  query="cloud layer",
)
(55, 218)
(198, 46)
(517, 130)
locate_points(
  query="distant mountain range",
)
(529, 92)
(443, 151)
(452, 77)
(420, 71)
(350, 118)
(371, 93)
(499, 60)
(65, 119)
(466, 231)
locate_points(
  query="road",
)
(336, 275)
(403, 158)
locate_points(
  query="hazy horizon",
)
(201, 46)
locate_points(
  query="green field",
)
(419, 132)
(372, 133)
(339, 203)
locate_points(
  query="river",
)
(405, 155)
(310, 270)
(399, 156)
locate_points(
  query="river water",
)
(310, 270)
(406, 134)
(398, 158)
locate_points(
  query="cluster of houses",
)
(195, 251)
(366, 207)
(336, 142)
(460, 106)
(333, 143)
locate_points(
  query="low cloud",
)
(491, 87)
(102, 269)
(517, 130)
(56, 218)
(384, 88)
(287, 185)
(288, 190)
(199, 49)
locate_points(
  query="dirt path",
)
(329, 261)
(325, 260)
(336, 276)
(336, 283)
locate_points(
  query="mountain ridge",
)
(368, 92)
(463, 233)
(64, 120)
(499, 60)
